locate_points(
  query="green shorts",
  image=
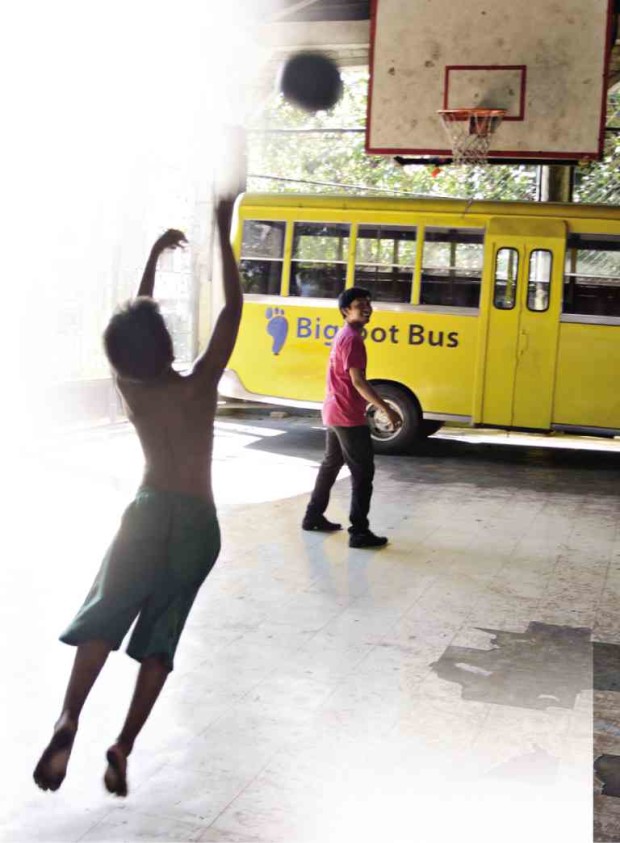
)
(166, 545)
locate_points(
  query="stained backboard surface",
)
(544, 61)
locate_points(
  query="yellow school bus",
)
(495, 314)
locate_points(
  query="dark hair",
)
(347, 296)
(137, 342)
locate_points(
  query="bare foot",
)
(52, 767)
(115, 778)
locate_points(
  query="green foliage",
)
(600, 181)
(319, 242)
(324, 159)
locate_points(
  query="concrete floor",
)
(439, 689)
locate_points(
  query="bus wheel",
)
(385, 439)
(430, 426)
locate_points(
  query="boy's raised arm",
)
(211, 363)
(171, 239)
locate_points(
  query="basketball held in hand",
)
(311, 81)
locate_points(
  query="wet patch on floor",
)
(607, 769)
(606, 667)
(547, 665)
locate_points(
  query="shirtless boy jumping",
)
(169, 538)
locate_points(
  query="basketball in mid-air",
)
(311, 81)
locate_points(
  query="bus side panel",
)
(434, 354)
(282, 350)
(588, 376)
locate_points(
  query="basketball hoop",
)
(470, 131)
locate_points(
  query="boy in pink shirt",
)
(348, 435)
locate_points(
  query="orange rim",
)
(464, 113)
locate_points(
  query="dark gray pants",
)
(353, 446)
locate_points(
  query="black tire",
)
(430, 426)
(386, 441)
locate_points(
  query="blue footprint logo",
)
(277, 327)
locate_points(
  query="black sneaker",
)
(320, 525)
(367, 539)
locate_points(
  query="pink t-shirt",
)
(343, 405)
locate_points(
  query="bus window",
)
(506, 269)
(452, 266)
(320, 253)
(539, 280)
(384, 261)
(592, 275)
(262, 248)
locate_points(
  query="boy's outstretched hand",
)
(170, 239)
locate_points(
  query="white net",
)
(470, 131)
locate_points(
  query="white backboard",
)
(544, 61)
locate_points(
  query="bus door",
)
(524, 271)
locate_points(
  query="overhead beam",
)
(292, 10)
(347, 40)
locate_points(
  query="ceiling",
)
(319, 10)
(299, 11)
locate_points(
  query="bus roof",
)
(425, 205)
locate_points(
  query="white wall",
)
(111, 118)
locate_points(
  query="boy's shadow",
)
(437, 460)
